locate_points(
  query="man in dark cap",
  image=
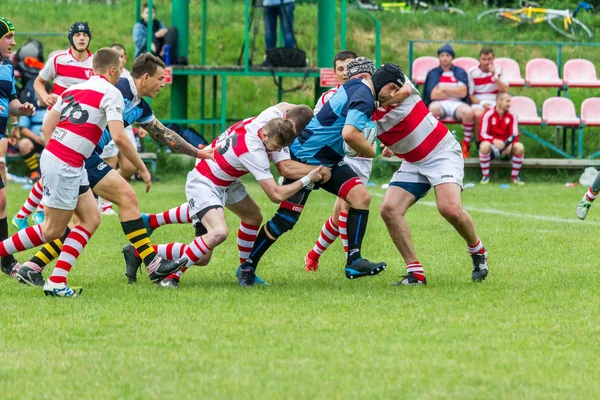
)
(446, 92)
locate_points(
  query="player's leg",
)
(518, 154)
(245, 207)
(588, 198)
(176, 215)
(464, 114)
(3, 150)
(485, 158)
(437, 110)
(478, 112)
(110, 157)
(329, 232)
(27, 151)
(346, 184)
(8, 262)
(33, 201)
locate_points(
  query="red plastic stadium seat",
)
(525, 110)
(421, 66)
(580, 73)
(590, 111)
(559, 111)
(542, 72)
(511, 72)
(465, 63)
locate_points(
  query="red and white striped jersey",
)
(240, 150)
(482, 85)
(494, 126)
(325, 98)
(409, 130)
(448, 80)
(85, 110)
(66, 71)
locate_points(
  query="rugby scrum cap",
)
(79, 27)
(5, 27)
(387, 73)
(360, 65)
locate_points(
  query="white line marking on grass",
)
(510, 213)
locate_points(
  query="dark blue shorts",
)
(96, 169)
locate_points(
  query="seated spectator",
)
(161, 36)
(32, 140)
(446, 92)
(499, 136)
(285, 10)
(485, 82)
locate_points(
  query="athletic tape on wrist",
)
(305, 181)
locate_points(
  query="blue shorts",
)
(96, 169)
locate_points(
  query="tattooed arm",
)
(170, 138)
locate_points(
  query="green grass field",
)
(529, 331)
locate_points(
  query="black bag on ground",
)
(286, 57)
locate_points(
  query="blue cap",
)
(446, 49)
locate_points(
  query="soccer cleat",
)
(480, 267)
(518, 181)
(34, 176)
(30, 274)
(19, 223)
(159, 269)
(410, 279)
(60, 290)
(246, 276)
(38, 217)
(583, 207)
(11, 269)
(146, 220)
(465, 148)
(132, 262)
(257, 280)
(363, 267)
(485, 180)
(109, 212)
(310, 264)
(171, 283)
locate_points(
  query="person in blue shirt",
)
(9, 105)
(161, 35)
(147, 79)
(342, 119)
(284, 9)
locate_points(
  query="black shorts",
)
(96, 168)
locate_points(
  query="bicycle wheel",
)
(576, 30)
(496, 12)
(449, 10)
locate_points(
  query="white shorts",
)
(62, 182)
(111, 149)
(480, 106)
(444, 165)
(236, 192)
(449, 108)
(362, 166)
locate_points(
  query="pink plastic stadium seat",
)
(511, 71)
(421, 66)
(559, 111)
(580, 73)
(465, 63)
(525, 110)
(590, 111)
(542, 72)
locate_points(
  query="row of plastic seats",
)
(539, 72)
(556, 111)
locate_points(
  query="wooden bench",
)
(559, 163)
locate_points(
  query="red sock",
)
(416, 269)
(344, 231)
(32, 202)
(177, 215)
(245, 239)
(72, 248)
(27, 238)
(477, 249)
(329, 232)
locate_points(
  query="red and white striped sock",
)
(72, 248)
(343, 229)
(194, 252)
(484, 162)
(177, 215)
(245, 239)
(329, 232)
(41, 207)
(468, 132)
(106, 205)
(517, 162)
(590, 195)
(27, 238)
(33, 201)
(170, 251)
(477, 249)
(416, 269)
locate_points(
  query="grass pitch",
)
(529, 331)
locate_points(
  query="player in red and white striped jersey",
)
(340, 62)
(67, 68)
(485, 82)
(432, 157)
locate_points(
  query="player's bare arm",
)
(458, 92)
(170, 138)
(401, 95)
(278, 194)
(50, 122)
(291, 169)
(357, 141)
(39, 86)
(17, 109)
